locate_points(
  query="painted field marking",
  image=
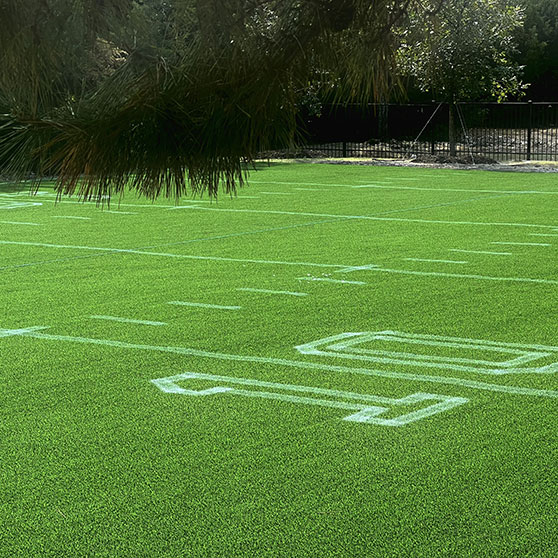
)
(379, 218)
(467, 276)
(203, 305)
(21, 331)
(276, 193)
(328, 280)
(522, 243)
(359, 402)
(389, 186)
(20, 223)
(349, 269)
(10, 204)
(248, 197)
(447, 380)
(128, 320)
(347, 345)
(435, 261)
(308, 189)
(276, 262)
(120, 212)
(543, 234)
(167, 255)
(70, 217)
(332, 215)
(481, 252)
(182, 207)
(250, 290)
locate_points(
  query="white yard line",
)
(543, 234)
(447, 380)
(203, 305)
(435, 261)
(128, 320)
(268, 291)
(522, 243)
(20, 223)
(167, 255)
(328, 280)
(481, 252)
(71, 217)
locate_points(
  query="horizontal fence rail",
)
(472, 132)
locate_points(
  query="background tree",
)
(463, 52)
(538, 48)
(186, 90)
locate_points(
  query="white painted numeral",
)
(349, 345)
(365, 408)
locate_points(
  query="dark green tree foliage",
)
(156, 94)
(463, 50)
(538, 48)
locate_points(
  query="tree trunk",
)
(451, 131)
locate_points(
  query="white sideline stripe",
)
(481, 252)
(277, 193)
(467, 276)
(21, 331)
(543, 234)
(328, 280)
(308, 189)
(435, 261)
(366, 413)
(167, 255)
(203, 305)
(390, 187)
(472, 384)
(128, 320)
(522, 243)
(70, 217)
(20, 223)
(250, 290)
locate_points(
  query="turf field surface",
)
(341, 361)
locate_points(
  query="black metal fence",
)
(500, 131)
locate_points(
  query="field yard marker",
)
(522, 243)
(203, 305)
(128, 320)
(70, 217)
(21, 331)
(343, 345)
(481, 252)
(471, 384)
(435, 261)
(355, 268)
(20, 223)
(366, 413)
(543, 234)
(250, 290)
(328, 280)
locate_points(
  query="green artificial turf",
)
(96, 460)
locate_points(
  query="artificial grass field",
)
(97, 460)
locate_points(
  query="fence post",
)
(529, 130)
